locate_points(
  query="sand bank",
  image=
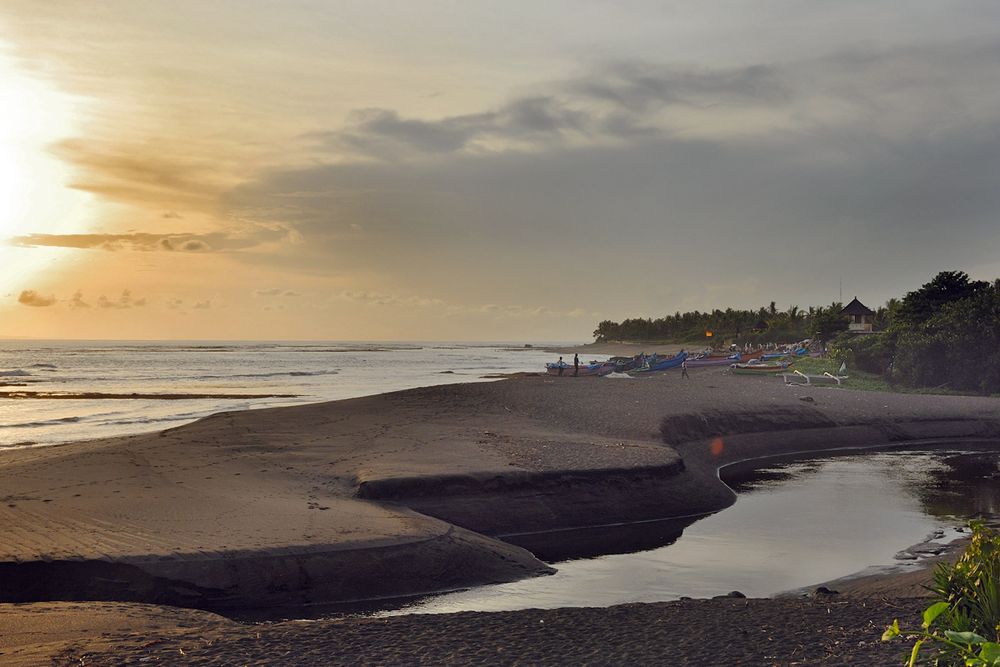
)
(409, 492)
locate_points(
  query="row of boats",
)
(758, 362)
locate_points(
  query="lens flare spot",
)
(717, 447)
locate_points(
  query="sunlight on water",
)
(313, 371)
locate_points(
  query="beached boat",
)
(758, 369)
(795, 377)
(593, 368)
(655, 363)
(702, 362)
(624, 364)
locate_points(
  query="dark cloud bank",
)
(877, 167)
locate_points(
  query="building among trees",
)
(860, 317)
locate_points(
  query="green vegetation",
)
(963, 626)
(730, 324)
(944, 336)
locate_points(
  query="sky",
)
(444, 170)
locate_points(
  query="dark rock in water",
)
(447, 372)
(823, 590)
(730, 594)
(685, 597)
(807, 399)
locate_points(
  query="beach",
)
(426, 490)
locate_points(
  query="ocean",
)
(78, 372)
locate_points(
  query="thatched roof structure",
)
(855, 307)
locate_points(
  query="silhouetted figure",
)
(576, 365)
(561, 366)
(684, 369)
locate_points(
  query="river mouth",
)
(795, 523)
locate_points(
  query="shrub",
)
(963, 626)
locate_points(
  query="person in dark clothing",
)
(561, 366)
(684, 369)
(576, 365)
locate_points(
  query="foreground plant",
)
(963, 627)
(950, 647)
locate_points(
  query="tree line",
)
(946, 334)
(765, 325)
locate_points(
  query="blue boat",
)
(654, 363)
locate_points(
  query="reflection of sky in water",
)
(831, 518)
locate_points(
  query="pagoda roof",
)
(855, 307)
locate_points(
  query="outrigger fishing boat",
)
(700, 362)
(802, 379)
(655, 363)
(624, 364)
(593, 368)
(759, 368)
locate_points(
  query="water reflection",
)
(963, 485)
(795, 524)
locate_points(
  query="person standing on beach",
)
(576, 365)
(684, 369)
(562, 365)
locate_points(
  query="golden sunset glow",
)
(388, 170)
(33, 183)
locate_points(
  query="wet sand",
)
(71, 395)
(406, 493)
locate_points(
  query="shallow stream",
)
(794, 524)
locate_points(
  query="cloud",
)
(613, 102)
(203, 305)
(385, 133)
(76, 301)
(143, 173)
(892, 91)
(276, 291)
(122, 302)
(33, 298)
(495, 311)
(254, 236)
(881, 159)
(382, 299)
(640, 86)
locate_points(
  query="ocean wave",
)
(50, 367)
(16, 373)
(154, 420)
(264, 375)
(44, 422)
